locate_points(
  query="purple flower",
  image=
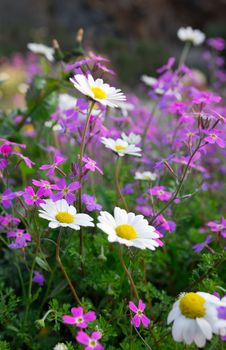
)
(21, 238)
(160, 193)
(218, 227)
(90, 202)
(167, 66)
(46, 185)
(8, 220)
(91, 165)
(65, 191)
(139, 315)
(38, 278)
(163, 225)
(128, 189)
(213, 137)
(78, 318)
(26, 160)
(200, 246)
(6, 198)
(91, 341)
(221, 312)
(32, 198)
(217, 43)
(57, 161)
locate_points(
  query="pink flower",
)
(213, 137)
(65, 191)
(79, 318)
(46, 185)
(160, 193)
(31, 197)
(21, 238)
(6, 198)
(91, 342)
(139, 315)
(57, 161)
(91, 165)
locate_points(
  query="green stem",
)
(184, 53)
(128, 273)
(82, 149)
(63, 269)
(143, 340)
(117, 184)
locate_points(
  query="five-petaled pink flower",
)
(160, 193)
(139, 315)
(65, 191)
(57, 161)
(91, 341)
(78, 318)
(91, 165)
(214, 137)
(30, 197)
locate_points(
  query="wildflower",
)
(26, 160)
(78, 318)
(200, 246)
(150, 81)
(132, 138)
(213, 137)
(60, 213)
(121, 147)
(129, 229)
(90, 202)
(91, 165)
(91, 341)
(21, 238)
(65, 191)
(193, 316)
(216, 43)
(8, 220)
(6, 198)
(60, 346)
(160, 193)
(38, 278)
(45, 185)
(57, 161)
(41, 49)
(220, 324)
(218, 227)
(195, 36)
(139, 315)
(146, 175)
(98, 90)
(33, 198)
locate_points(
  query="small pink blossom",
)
(139, 315)
(51, 167)
(78, 318)
(91, 341)
(33, 198)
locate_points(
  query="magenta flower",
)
(167, 66)
(8, 220)
(213, 137)
(5, 150)
(78, 318)
(217, 43)
(91, 165)
(51, 167)
(21, 238)
(200, 246)
(218, 227)
(91, 342)
(26, 160)
(32, 198)
(46, 185)
(6, 198)
(38, 278)
(160, 193)
(90, 202)
(139, 315)
(65, 191)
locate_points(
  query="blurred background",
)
(138, 35)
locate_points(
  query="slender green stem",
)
(128, 273)
(143, 340)
(63, 269)
(117, 184)
(82, 149)
(184, 53)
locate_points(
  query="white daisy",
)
(98, 90)
(193, 316)
(195, 36)
(220, 325)
(60, 346)
(149, 81)
(121, 147)
(129, 229)
(131, 138)
(146, 175)
(60, 213)
(47, 51)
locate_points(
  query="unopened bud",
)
(79, 36)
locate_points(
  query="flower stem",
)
(63, 269)
(184, 53)
(143, 340)
(117, 184)
(82, 149)
(128, 273)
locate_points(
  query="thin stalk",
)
(143, 340)
(128, 273)
(63, 269)
(117, 183)
(82, 149)
(184, 54)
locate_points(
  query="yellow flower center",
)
(119, 148)
(98, 93)
(214, 136)
(126, 232)
(92, 343)
(64, 217)
(192, 305)
(146, 177)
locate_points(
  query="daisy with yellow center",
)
(194, 316)
(121, 147)
(60, 213)
(146, 175)
(98, 90)
(129, 229)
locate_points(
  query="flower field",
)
(112, 201)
